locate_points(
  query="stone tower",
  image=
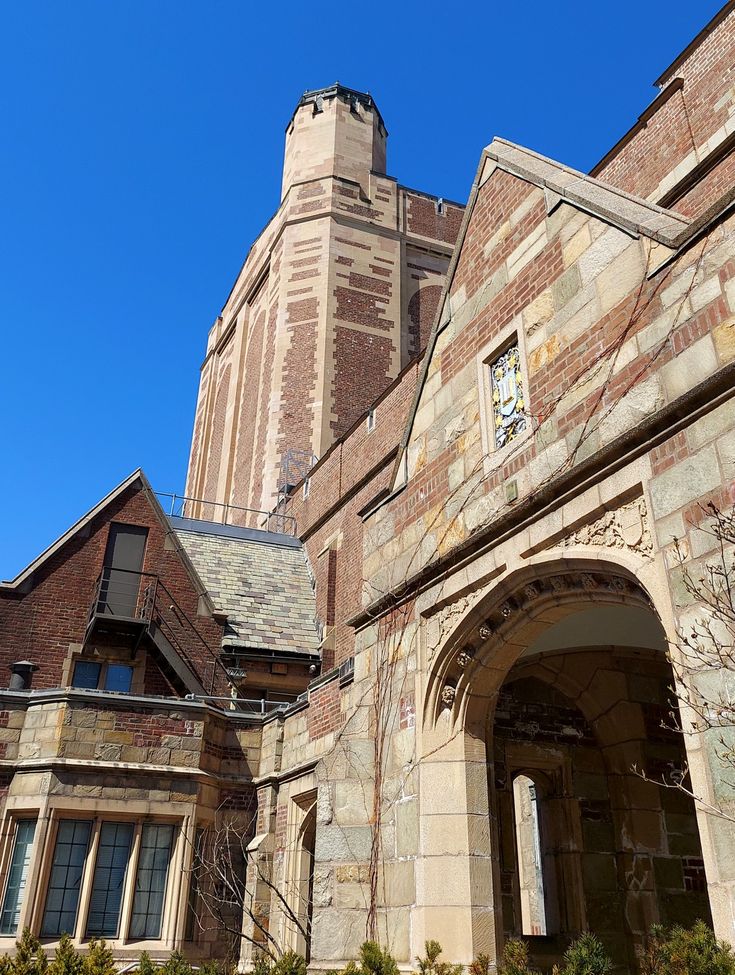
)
(336, 296)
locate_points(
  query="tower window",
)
(371, 420)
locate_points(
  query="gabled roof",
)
(624, 210)
(261, 580)
(25, 574)
(561, 184)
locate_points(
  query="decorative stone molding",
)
(448, 695)
(627, 527)
(464, 656)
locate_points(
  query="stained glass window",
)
(509, 408)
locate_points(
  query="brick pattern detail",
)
(324, 715)
(366, 358)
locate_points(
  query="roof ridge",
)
(631, 212)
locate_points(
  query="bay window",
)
(107, 880)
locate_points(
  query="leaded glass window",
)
(17, 876)
(509, 408)
(113, 853)
(150, 882)
(62, 898)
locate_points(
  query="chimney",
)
(21, 675)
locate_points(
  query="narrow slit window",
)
(150, 883)
(67, 868)
(508, 402)
(529, 857)
(17, 876)
(110, 869)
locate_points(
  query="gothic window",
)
(508, 404)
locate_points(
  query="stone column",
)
(454, 875)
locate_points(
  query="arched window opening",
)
(306, 878)
(299, 901)
(533, 886)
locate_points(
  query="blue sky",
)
(142, 146)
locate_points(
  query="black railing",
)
(124, 594)
(199, 509)
(140, 602)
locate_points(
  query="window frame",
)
(16, 821)
(76, 656)
(97, 818)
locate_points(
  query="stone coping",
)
(127, 702)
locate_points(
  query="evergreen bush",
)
(430, 965)
(480, 966)
(585, 956)
(290, 963)
(687, 951)
(514, 960)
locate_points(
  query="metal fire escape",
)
(129, 606)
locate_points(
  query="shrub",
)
(67, 960)
(30, 958)
(430, 965)
(262, 964)
(687, 951)
(480, 966)
(146, 965)
(176, 965)
(289, 963)
(585, 956)
(514, 960)
(373, 961)
(99, 959)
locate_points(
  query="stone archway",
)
(545, 680)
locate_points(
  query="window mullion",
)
(87, 878)
(129, 892)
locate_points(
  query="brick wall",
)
(41, 624)
(345, 481)
(697, 101)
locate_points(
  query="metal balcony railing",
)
(198, 509)
(138, 603)
(124, 595)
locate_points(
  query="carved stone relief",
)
(626, 527)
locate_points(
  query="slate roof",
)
(263, 584)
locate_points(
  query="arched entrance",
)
(555, 698)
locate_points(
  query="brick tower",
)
(336, 296)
